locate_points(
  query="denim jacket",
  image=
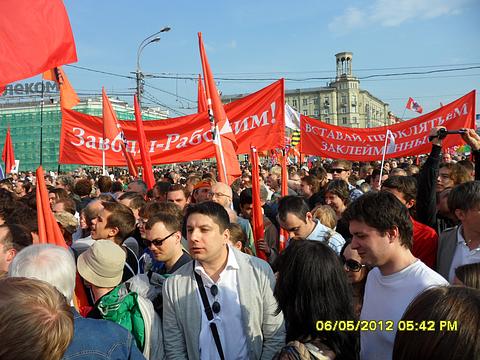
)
(100, 339)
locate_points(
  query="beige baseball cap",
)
(102, 264)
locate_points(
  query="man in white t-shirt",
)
(382, 234)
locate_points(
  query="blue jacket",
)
(100, 339)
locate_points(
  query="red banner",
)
(257, 119)
(411, 137)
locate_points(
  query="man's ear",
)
(309, 216)
(10, 255)
(460, 214)
(226, 236)
(393, 233)
(112, 232)
(409, 204)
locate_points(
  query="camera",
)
(442, 133)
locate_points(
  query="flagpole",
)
(383, 159)
(222, 159)
(103, 158)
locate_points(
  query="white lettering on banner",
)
(196, 138)
(91, 142)
(80, 134)
(152, 146)
(183, 143)
(132, 144)
(171, 138)
(117, 143)
(351, 150)
(414, 130)
(255, 121)
(272, 106)
(258, 122)
(104, 144)
(206, 136)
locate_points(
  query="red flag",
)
(413, 105)
(201, 97)
(257, 214)
(2, 90)
(112, 130)
(36, 36)
(147, 172)
(8, 155)
(68, 96)
(48, 230)
(49, 233)
(283, 232)
(223, 137)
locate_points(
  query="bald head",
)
(222, 194)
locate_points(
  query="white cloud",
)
(353, 18)
(390, 13)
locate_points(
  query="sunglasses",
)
(216, 304)
(352, 265)
(336, 171)
(157, 242)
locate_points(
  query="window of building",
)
(344, 99)
(316, 112)
(354, 99)
(344, 120)
(305, 112)
(354, 119)
(294, 103)
(315, 101)
(305, 102)
(343, 110)
(327, 120)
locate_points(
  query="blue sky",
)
(272, 39)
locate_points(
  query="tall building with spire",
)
(342, 102)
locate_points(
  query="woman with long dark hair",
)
(312, 291)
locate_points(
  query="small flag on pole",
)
(414, 106)
(391, 142)
(68, 96)
(8, 155)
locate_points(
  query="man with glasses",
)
(222, 302)
(341, 170)
(163, 239)
(382, 234)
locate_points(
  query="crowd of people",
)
(379, 263)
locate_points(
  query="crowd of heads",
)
(189, 212)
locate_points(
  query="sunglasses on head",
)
(352, 265)
(336, 171)
(157, 242)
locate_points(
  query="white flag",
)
(391, 142)
(292, 118)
